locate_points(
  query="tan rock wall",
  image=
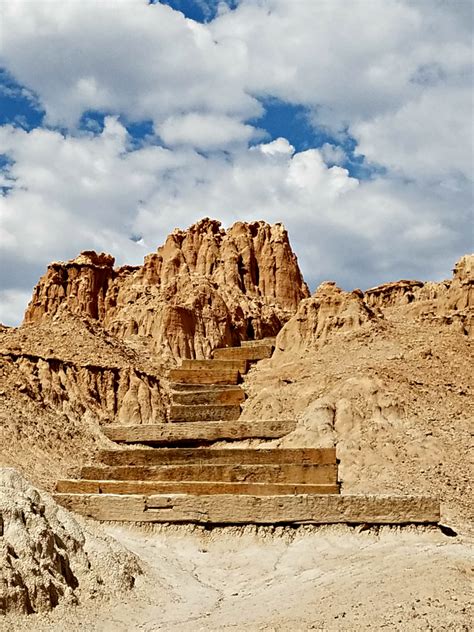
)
(330, 310)
(121, 395)
(204, 288)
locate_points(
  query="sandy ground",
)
(325, 578)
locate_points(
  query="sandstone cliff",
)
(331, 311)
(204, 288)
(450, 302)
(328, 311)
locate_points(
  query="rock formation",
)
(70, 365)
(204, 288)
(449, 302)
(47, 557)
(328, 311)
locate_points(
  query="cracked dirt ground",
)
(326, 578)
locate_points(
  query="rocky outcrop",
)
(48, 558)
(110, 393)
(449, 302)
(70, 366)
(82, 283)
(389, 294)
(330, 310)
(204, 288)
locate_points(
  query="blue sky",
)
(354, 128)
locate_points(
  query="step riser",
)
(189, 487)
(168, 456)
(216, 365)
(204, 413)
(294, 474)
(190, 376)
(258, 343)
(198, 432)
(243, 509)
(251, 354)
(212, 398)
(217, 388)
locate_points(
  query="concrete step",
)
(189, 487)
(198, 432)
(282, 473)
(205, 412)
(221, 509)
(216, 365)
(258, 343)
(251, 353)
(197, 376)
(215, 397)
(225, 456)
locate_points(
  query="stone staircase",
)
(180, 476)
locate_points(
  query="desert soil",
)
(326, 578)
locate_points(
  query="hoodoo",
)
(204, 288)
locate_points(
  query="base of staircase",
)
(221, 509)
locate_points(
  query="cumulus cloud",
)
(388, 80)
(12, 305)
(205, 131)
(333, 154)
(143, 60)
(429, 138)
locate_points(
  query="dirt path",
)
(330, 578)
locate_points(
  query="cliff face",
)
(204, 288)
(450, 302)
(330, 310)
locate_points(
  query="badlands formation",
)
(383, 376)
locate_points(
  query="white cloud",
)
(205, 131)
(429, 138)
(280, 147)
(333, 154)
(393, 74)
(144, 61)
(12, 305)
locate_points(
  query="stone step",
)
(225, 456)
(198, 431)
(205, 412)
(217, 388)
(251, 353)
(204, 376)
(271, 340)
(190, 487)
(283, 473)
(216, 365)
(216, 397)
(249, 509)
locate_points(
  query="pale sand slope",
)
(327, 578)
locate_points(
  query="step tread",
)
(204, 412)
(129, 456)
(204, 376)
(70, 486)
(281, 473)
(254, 509)
(181, 387)
(198, 431)
(213, 397)
(250, 353)
(270, 340)
(216, 365)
